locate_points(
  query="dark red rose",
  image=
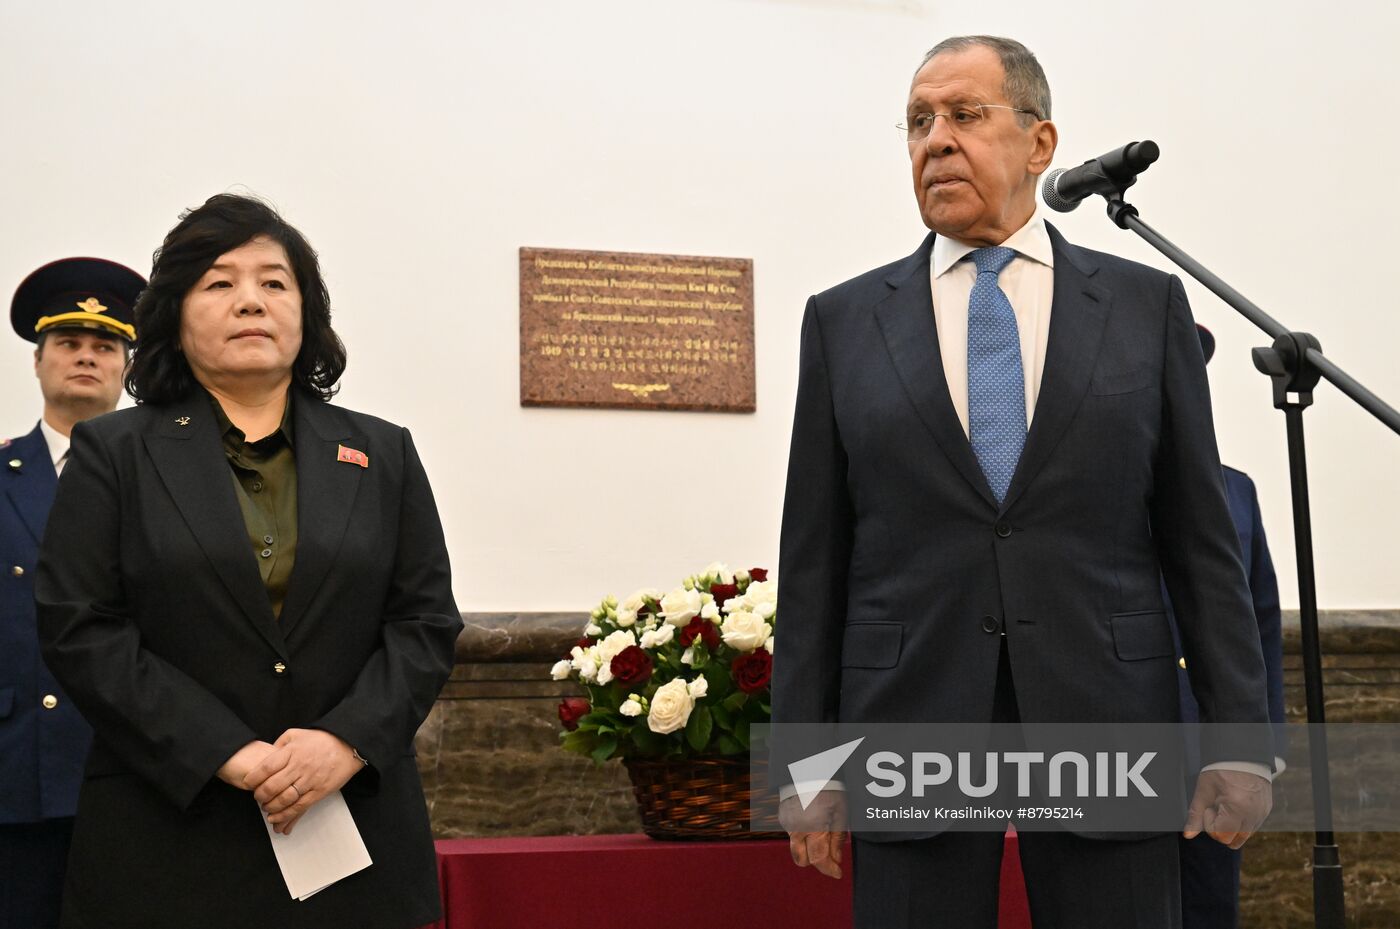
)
(703, 629)
(585, 642)
(752, 671)
(571, 710)
(758, 574)
(631, 666)
(723, 592)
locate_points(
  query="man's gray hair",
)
(1026, 87)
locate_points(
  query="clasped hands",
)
(291, 775)
(1229, 806)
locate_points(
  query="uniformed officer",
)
(78, 311)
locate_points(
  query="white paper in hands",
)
(324, 847)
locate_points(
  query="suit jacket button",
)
(1003, 529)
(279, 668)
(990, 624)
(17, 571)
(50, 701)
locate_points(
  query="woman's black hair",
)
(159, 372)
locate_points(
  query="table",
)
(597, 881)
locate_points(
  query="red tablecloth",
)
(595, 881)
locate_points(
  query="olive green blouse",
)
(265, 481)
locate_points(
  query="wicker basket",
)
(702, 798)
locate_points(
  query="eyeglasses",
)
(964, 118)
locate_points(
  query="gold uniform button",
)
(50, 701)
(279, 668)
(17, 571)
(1181, 663)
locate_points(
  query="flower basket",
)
(672, 684)
(701, 799)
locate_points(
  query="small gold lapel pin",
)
(182, 421)
(15, 463)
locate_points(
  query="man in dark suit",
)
(1210, 872)
(78, 312)
(1000, 444)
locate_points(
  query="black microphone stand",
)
(1295, 364)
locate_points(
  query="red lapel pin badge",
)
(352, 455)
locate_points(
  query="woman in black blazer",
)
(246, 592)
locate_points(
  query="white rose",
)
(710, 611)
(561, 669)
(744, 631)
(698, 687)
(586, 666)
(627, 610)
(762, 598)
(720, 572)
(592, 629)
(655, 638)
(608, 649)
(688, 656)
(630, 708)
(768, 646)
(670, 707)
(680, 606)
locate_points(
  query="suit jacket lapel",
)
(188, 452)
(32, 484)
(906, 321)
(326, 490)
(1078, 312)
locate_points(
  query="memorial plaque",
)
(618, 329)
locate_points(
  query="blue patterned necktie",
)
(996, 387)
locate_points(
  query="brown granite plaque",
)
(620, 329)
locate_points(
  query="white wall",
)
(418, 145)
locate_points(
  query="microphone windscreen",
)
(1052, 197)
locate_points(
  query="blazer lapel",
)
(188, 452)
(1078, 312)
(32, 484)
(906, 321)
(326, 490)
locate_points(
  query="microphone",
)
(1107, 174)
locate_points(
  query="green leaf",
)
(606, 746)
(736, 700)
(697, 730)
(580, 741)
(648, 742)
(724, 719)
(721, 684)
(728, 745)
(741, 733)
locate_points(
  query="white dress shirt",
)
(58, 445)
(1028, 282)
